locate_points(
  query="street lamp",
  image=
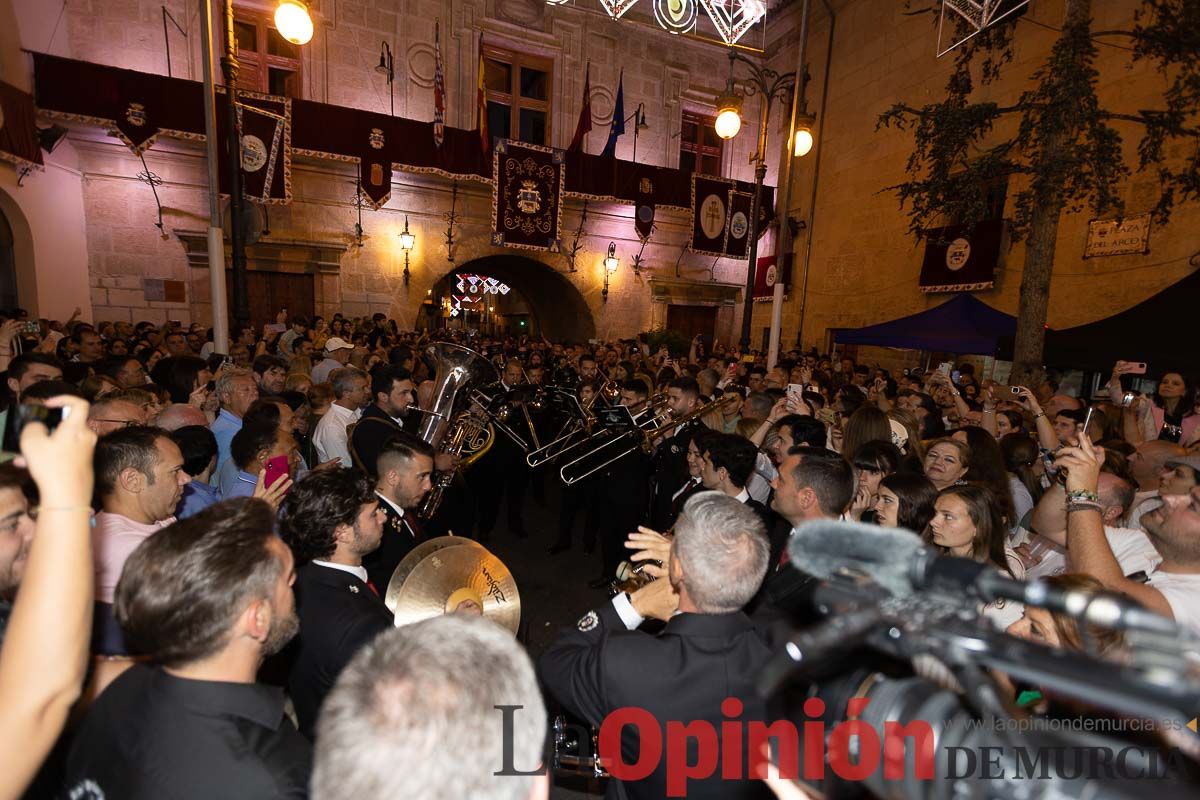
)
(771, 85)
(387, 67)
(803, 138)
(293, 22)
(407, 241)
(611, 262)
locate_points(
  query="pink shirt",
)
(113, 539)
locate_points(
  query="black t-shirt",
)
(152, 735)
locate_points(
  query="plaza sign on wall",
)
(732, 18)
(1115, 237)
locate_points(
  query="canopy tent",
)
(962, 325)
(1154, 331)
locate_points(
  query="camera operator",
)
(709, 650)
(1173, 588)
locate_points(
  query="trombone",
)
(562, 444)
(649, 429)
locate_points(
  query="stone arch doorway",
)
(544, 298)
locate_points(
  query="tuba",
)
(465, 434)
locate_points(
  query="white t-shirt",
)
(1132, 548)
(1182, 592)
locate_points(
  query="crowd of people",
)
(194, 545)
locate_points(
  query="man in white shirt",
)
(1132, 548)
(350, 395)
(1173, 589)
(337, 353)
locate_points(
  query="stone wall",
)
(669, 74)
(864, 265)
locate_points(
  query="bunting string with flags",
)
(585, 114)
(439, 89)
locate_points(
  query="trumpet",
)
(650, 428)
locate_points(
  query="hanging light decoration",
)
(616, 8)
(803, 141)
(675, 16)
(733, 18)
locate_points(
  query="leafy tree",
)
(1066, 153)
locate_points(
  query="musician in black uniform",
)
(625, 489)
(708, 651)
(670, 455)
(392, 395)
(503, 471)
(727, 462)
(695, 481)
(331, 519)
(583, 496)
(405, 469)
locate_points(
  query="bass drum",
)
(576, 747)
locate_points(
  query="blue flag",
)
(618, 121)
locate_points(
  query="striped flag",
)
(439, 90)
(585, 114)
(481, 103)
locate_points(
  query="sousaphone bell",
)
(447, 573)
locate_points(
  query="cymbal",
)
(415, 556)
(451, 574)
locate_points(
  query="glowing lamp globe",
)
(729, 120)
(804, 142)
(293, 22)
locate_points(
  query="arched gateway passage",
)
(540, 297)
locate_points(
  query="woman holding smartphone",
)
(1169, 414)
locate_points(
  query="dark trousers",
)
(583, 498)
(497, 476)
(621, 518)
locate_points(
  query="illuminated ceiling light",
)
(293, 22)
(616, 8)
(803, 140)
(733, 18)
(675, 16)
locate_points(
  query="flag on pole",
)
(585, 114)
(481, 101)
(439, 89)
(618, 120)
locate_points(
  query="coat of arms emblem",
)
(529, 199)
(136, 114)
(376, 138)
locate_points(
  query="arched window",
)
(8, 265)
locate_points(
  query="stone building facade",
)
(88, 222)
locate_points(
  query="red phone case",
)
(278, 467)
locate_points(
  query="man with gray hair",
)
(350, 394)
(385, 726)
(701, 668)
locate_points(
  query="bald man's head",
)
(1151, 457)
(181, 415)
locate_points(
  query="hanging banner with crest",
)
(265, 124)
(710, 214)
(527, 183)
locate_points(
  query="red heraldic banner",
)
(527, 183)
(18, 130)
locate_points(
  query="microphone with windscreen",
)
(899, 562)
